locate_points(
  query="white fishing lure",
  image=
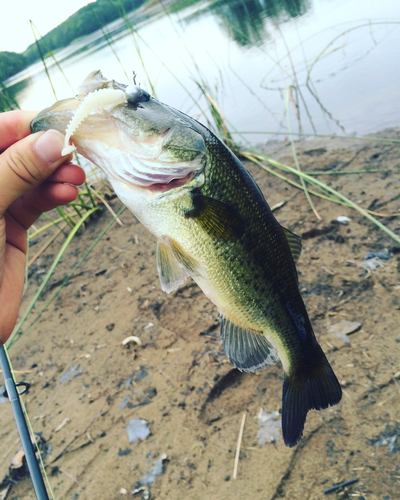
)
(97, 99)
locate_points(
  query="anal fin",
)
(170, 272)
(247, 351)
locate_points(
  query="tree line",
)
(85, 21)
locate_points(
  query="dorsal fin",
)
(247, 351)
(294, 243)
(170, 272)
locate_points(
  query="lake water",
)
(327, 66)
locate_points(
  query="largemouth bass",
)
(211, 223)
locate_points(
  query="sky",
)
(15, 30)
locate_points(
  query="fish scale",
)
(212, 223)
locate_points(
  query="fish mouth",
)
(172, 184)
(129, 135)
(158, 186)
(122, 163)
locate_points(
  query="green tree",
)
(82, 23)
(10, 64)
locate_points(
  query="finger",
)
(54, 194)
(15, 125)
(47, 196)
(11, 291)
(27, 163)
(50, 194)
(72, 174)
(24, 211)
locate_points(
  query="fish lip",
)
(173, 183)
(47, 118)
(161, 187)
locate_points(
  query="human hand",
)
(34, 178)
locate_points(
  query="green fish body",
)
(211, 223)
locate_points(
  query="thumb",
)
(27, 163)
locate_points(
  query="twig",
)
(102, 199)
(20, 371)
(77, 436)
(348, 172)
(48, 242)
(4, 493)
(340, 485)
(68, 475)
(64, 422)
(239, 443)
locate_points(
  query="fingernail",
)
(49, 146)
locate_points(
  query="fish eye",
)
(136, 95)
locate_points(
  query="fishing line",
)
(19, 412)
(43, 471)
(29, 423)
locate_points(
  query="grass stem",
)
(17, 330)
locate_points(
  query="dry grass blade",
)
(296, 161)
(103, 200)
(42, 58)
(17, 330)
(220, 114)
(77, 436)
(138, 51)
(218, 117)
(50, 52)
(47, 244)
(258, 159)
(108, 39)
(239, 444)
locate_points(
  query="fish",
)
(212, 223)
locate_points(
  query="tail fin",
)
(317, 389)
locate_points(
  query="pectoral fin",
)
(247, 351)
(294, 243)
(190, 265)
(217, 218)
(171, 273)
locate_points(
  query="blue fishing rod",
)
(13, 395)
